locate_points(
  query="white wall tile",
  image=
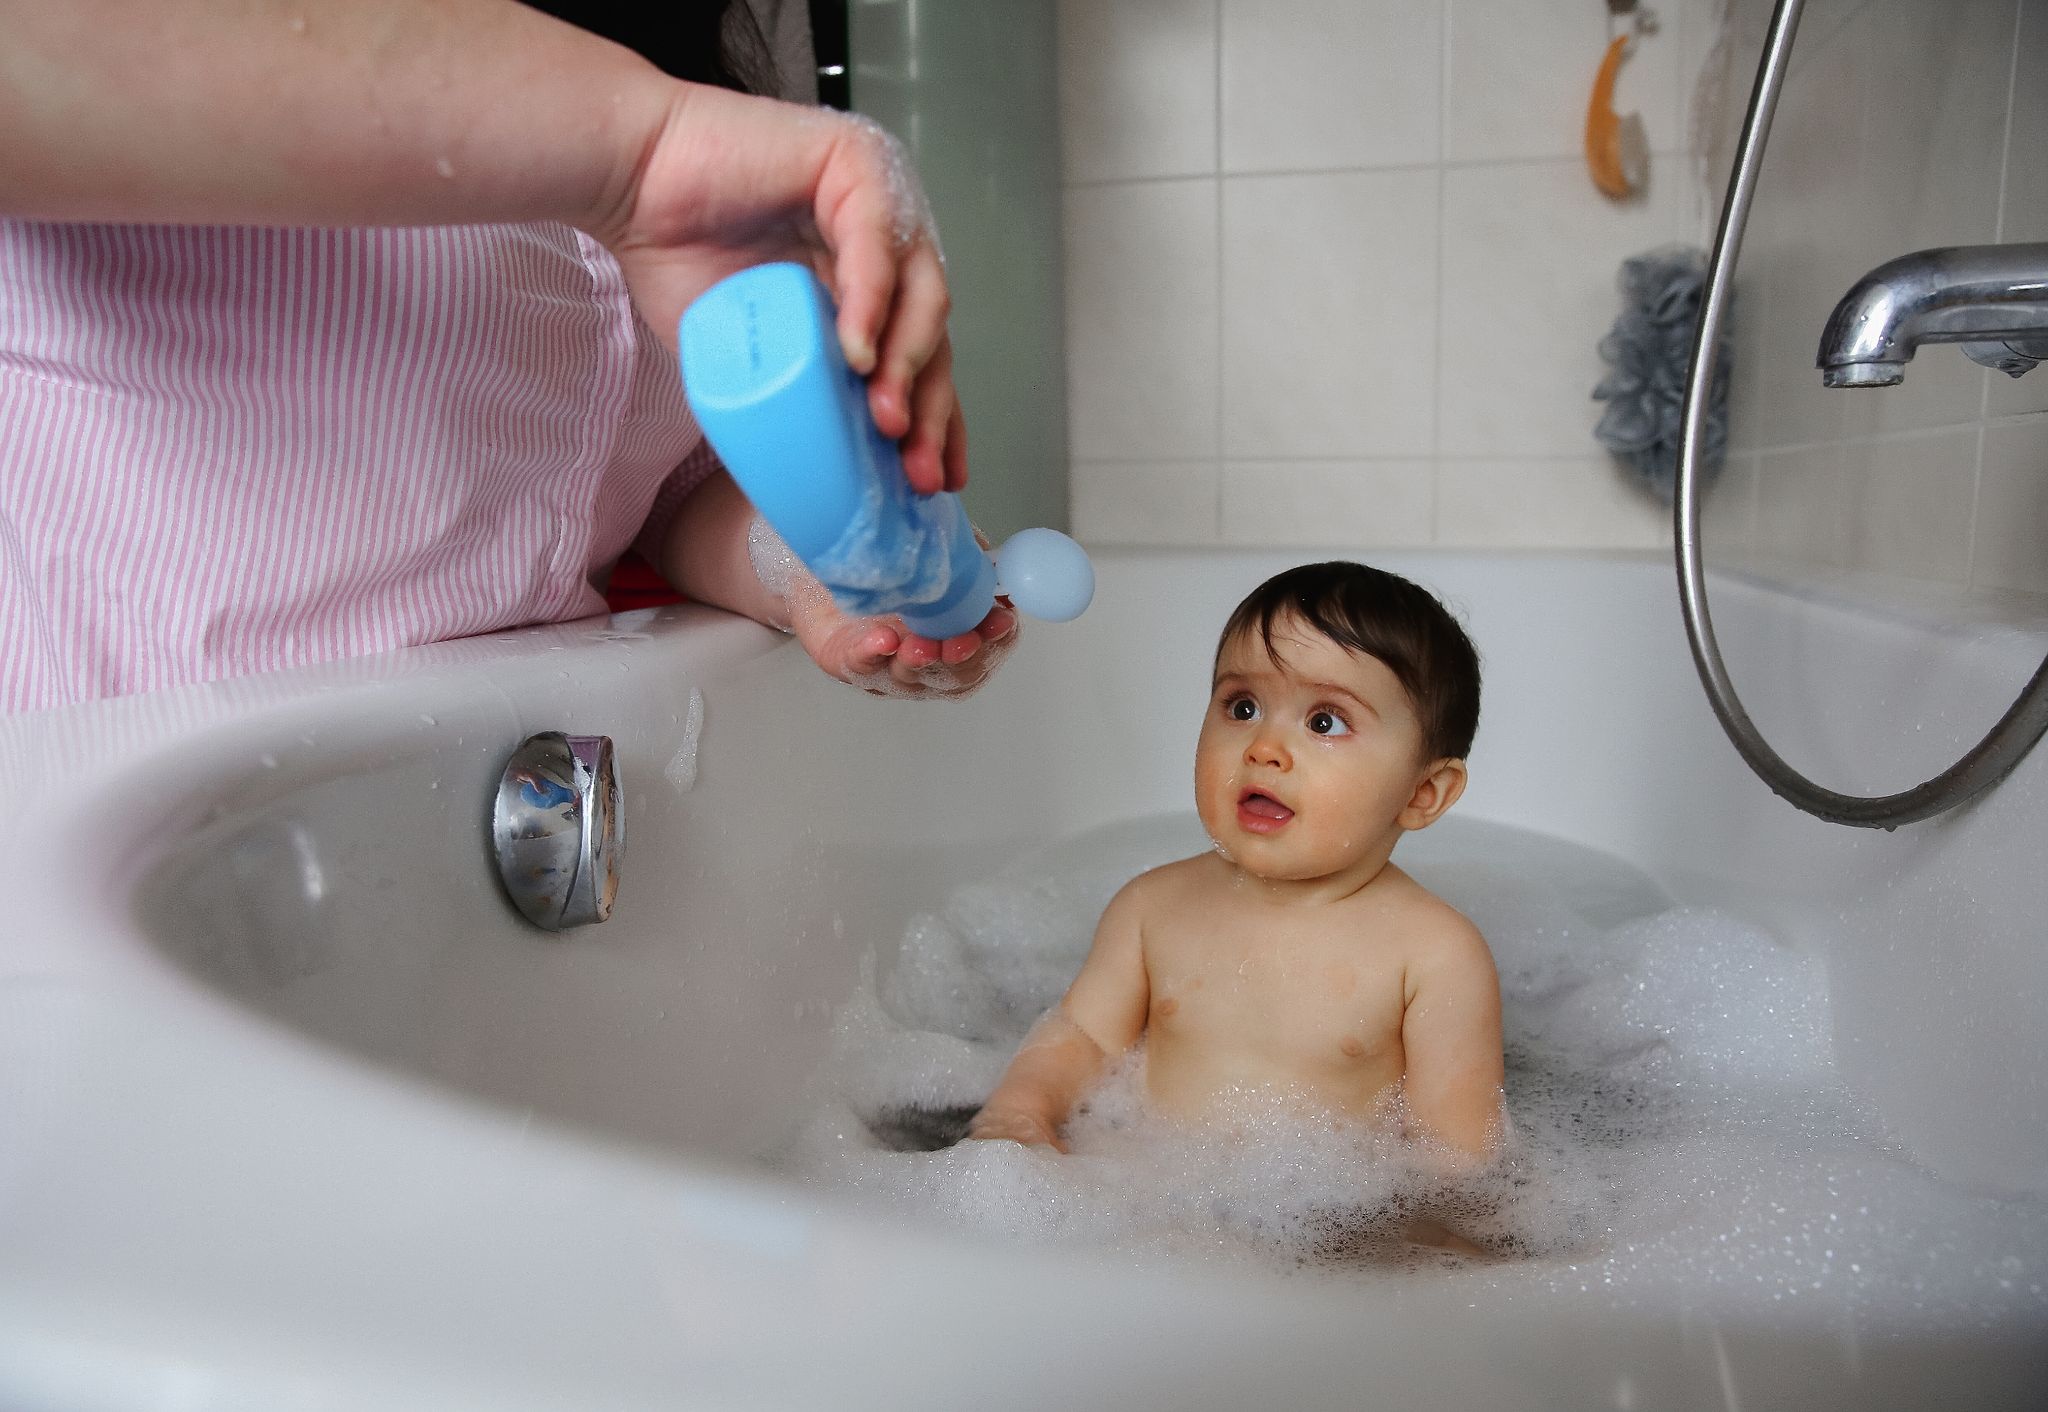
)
(1137, 88)
(1887, 140)
(1315, 84)
(2008, 396)
(1566, 503)
(1290, 322)
(1329, 314)
(1369, 504)
(1794, 264)
(1802, 506)
(2012, 507)
(2023, 214)
(1707, 40)
(1744, 342)
(1728, 511)
(1519, 74)
(1912, 500)
(1825, 24)
(1141, 318)
(1934, 113)
(1138, 502)
(1531, 256)
(1931, 155)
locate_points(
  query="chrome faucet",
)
(1992, 299)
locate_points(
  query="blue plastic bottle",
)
(765, 378)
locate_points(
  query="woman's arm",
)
(318, 112)
(429, 112)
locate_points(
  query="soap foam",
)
(1679, 1131)
(911, 210)
(775, 564)
(681, 771)
(898, 551)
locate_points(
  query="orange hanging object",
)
(1616, 152)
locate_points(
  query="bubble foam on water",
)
(1680, 1132)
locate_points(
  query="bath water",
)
(1680, 1131)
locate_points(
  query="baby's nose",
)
(1267, 748)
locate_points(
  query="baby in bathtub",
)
(1295, 961)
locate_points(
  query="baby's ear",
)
(1436, 791)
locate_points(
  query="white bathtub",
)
(296, 1113)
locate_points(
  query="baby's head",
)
(1344, 702)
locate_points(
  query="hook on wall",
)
(1617, 152)
(1642, 20)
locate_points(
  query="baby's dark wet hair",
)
(1368, 610)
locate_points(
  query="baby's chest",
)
(1280, 994)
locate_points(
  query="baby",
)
(1295, 960)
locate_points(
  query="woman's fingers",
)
(912, 337)
(860, 218)
(935, 452)
(954, 461)
(869, 212)
(893, 302)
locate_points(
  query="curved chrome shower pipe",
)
(2023, 723)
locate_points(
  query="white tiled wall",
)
(1336, 271)
(1904, 125)
(1336, 274)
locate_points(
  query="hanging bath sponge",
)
(1646, 353)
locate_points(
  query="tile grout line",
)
(1560, 458)
(1436, 391)
(1216, 176)
(1976, 509)
(2019, 11)
(1353, 169)
(2012, 73)
(1970, 566)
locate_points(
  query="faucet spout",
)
(1992, 299)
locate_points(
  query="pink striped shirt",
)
(227, 450)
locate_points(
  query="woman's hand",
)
(730, 181)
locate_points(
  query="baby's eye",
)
(1241, 708)
(1327, 723)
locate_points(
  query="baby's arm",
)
(707, 554)
(1101, 1016)
(1450, 1031)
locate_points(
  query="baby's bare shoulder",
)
(1438, 934)
(1166, 896)
(1177, 879)
(1156, 887)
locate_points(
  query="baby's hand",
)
(883, 657)
(1013, 1125)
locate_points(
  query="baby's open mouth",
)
(1261, 813)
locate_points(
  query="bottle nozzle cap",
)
(1046, 574)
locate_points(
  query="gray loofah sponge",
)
(1646, 353)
